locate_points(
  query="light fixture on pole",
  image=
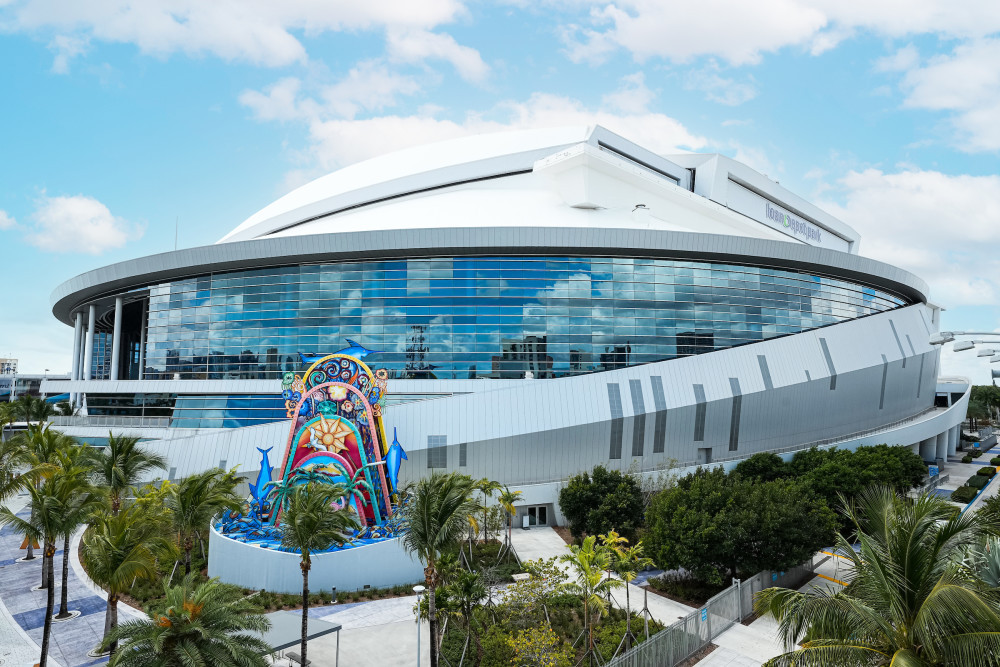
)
(963, 345)
(985, 352)
(419, 590)
(995, 358)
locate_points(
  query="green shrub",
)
(977, 481)
(963, 494)
(966, 459)
(976, 452)
(987, 471)
(498, 648)
(684, 587)
(995, 461)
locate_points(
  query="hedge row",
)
(987, 471)
(963, 494)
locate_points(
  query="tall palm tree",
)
(487, 487)
(204, 624)
(507, 498)
(437, 513)
(589, 564)
(909, 599)
(195, 500)
(80, 501)
(118, 549)
(311, 524)
(122, 465)
(44, 524)
(626, 562)
(40, 448)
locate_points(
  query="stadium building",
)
(542, 301)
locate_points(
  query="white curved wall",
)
(378, 565)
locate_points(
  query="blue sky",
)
(119, 119)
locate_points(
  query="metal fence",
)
(676, 643)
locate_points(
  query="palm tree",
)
(487, 487)
(311, 524)
(195, 500)
(437, 513)
(7, 416)
(204, 624)
(79, 502)
(32, 409)
(909, 599)
(40, 448)
(589, 564)
(626, 562)
(122, 465)
(118, 549)
(977, 410)
(507, 498)
(466, 592)
(44, 524)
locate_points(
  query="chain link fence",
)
(676, 643)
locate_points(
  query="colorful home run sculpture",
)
(336, 438)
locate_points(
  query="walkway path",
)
(22, 610)
(380, 632)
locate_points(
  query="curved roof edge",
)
(436, 242)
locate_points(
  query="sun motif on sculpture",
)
(329, 435)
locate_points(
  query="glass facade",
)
(496, 317)
(192, 411)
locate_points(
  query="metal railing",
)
(111, 421)
(678, 642)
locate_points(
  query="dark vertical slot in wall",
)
(639, 417)
(617, 420)
(734, 421)
(699, 413)
(660, 424)
(829, 363)
(885, 374)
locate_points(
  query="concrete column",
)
(88, 351)
(116, 339)
(953, 440)
(942, 445)
(142, 339)
(77, 349)
(928, 449)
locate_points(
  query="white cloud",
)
(417, 45)
(633, 96)
(683, 31)
(941, 227)
(967, 83)
(740, 32)
(900, 61)
(262, 32)
(718, 88)
(369, 86)
(66, 47)
(6, 221)
(339, 142)
(79, 224)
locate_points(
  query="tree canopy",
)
(712, 524)
(602, 501)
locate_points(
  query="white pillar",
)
(941, 446)
(88, 351)
(927, 449)
(116, 340)
(953, 440)
(77, 349)
(142, 340)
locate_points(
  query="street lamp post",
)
(419, 590)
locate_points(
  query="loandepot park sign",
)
(793, 224)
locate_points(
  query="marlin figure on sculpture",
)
(355, 350)
(393, 459)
